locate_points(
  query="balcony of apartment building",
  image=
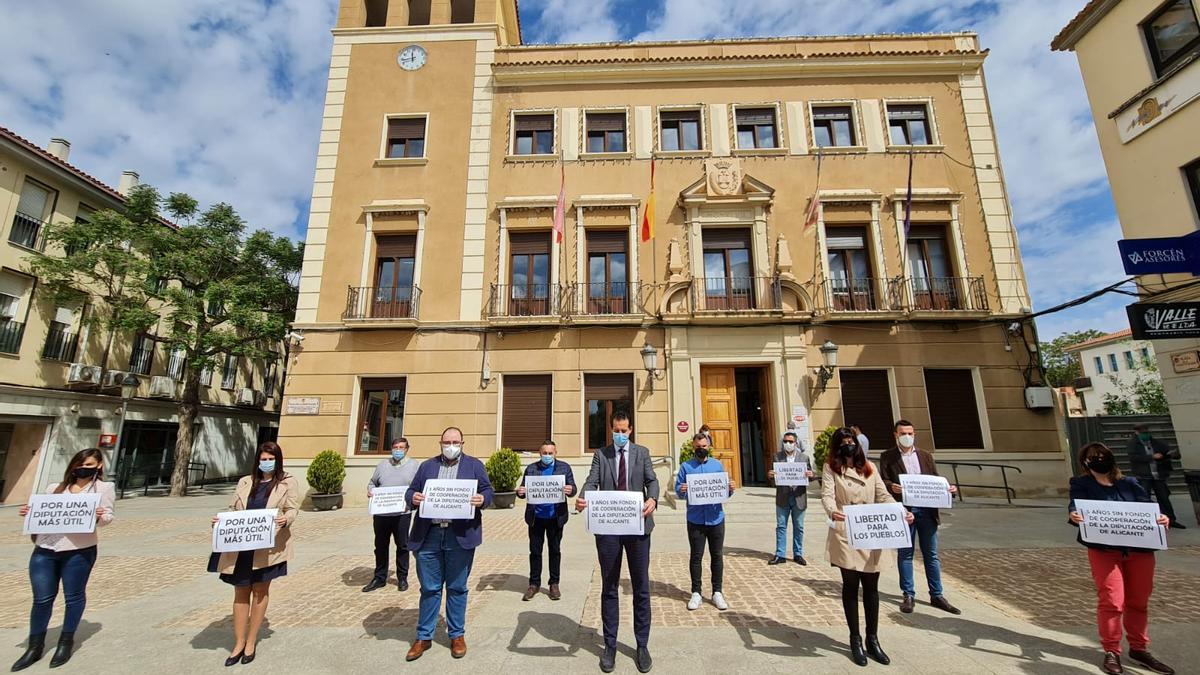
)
(27, 231)
(934, 296)
(61, 344)
(383, 305)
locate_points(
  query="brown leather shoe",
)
(530, 593)
(1112, 663)
(418, 648)
(555, 593)
(1143, 657)
(943, 604)
(906, 605)
(458, 647)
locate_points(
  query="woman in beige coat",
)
(251, 572)
(849, 479)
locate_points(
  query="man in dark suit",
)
(1151, 462)
(906, 457)
(624, 466)
(546, 521)
(445, 549)
(790, 501)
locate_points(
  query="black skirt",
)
(243, 573)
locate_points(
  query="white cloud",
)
(218, 99)
(572, 21)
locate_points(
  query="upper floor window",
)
(757, 128)
(728, 282)
(176, 364)
(908, 124)
(933, 282)
(850, 278)
(833, 126)
(229, 372)
(679, 131)
(1112, 362)
(1172, 34)
(530, 289)
(1129, 363)
(1099, 364)
(462, 11)
(377, 11)
(605, 132)
(608, 280)
(1145, 351)
(533, 134)
(1192, 172)
(395, 265)
(405, 137)
(8, 306)
(33, 209)
(143, 355)
(418, 12)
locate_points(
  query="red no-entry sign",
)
(682, 426)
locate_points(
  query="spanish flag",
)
(648, 212)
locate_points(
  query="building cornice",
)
(1084, 21)
(395, 206)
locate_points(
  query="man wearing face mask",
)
(624, 466)
(907, 458)
(546, 521)
(395, 471)
(790, 501)
(705, 524)
(445, 549)
(1150, 461)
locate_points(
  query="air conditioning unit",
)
(162, 387)
(81, 373)
(247, 396)
(113, 379)
(1039, 398)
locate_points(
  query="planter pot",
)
(327, 502)
(504, 500)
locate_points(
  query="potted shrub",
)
(504, 470)
(686, 451)
(821, 449)
(325, 476)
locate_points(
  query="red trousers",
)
(1123, 586)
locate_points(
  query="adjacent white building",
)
(1110, 365)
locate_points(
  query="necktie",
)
(622, 481)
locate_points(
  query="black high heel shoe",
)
(233, 660)
(856, 651)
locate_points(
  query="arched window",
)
(376, 13)
(418, 12)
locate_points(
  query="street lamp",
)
(829, 352)
(650, 363)
(129, 387)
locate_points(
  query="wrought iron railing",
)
(61, 345)
(11, 333)
(945, 293)
(374, 302)
(27, 231)
(736, 294)
(857, 295)
(532, 300)
(609, 298)
(140, 360)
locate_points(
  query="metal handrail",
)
(11, 334)
(858, 295)
(1009, 493)
(944, 293)
(736, 294)
(27, 232)
(61, 345)
(526, 300)
(373, 302)
(604, 299)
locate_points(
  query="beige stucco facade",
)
(1147, 120)
(469, 200)
(45, 415)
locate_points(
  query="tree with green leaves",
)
(1062, 367)
(201, 288)
(1144, 396)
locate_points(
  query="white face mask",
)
(789, 447)
(907, 440)
(452, 451)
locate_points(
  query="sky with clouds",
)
(222, 99)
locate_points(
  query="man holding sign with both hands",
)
(705, 517)
(622, 467)
(395, 473)
(907, 459)
(793, 470)
(546, 485)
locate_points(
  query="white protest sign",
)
(545, 489)
(62, 513)
(874, 526)
(926, 491)
(448, 499)
(791, 474)
(707, 488)
(614, 512)
(1121, 524)
(388, 501)
(247, 530)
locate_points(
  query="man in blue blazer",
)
(624, 466)
(445, 549)
(546, 521)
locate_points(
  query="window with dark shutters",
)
(867, 402)
(526, 415)
(606, 393)
(953, 409)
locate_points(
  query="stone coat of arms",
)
(724, 176)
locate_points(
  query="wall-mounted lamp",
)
(824, 374)
(650, 363)
(75, 408)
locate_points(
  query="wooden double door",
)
(740, 420)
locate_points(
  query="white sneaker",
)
(694, 603)
(718, 601)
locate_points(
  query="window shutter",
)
(831, 113)
(841, 238)
(906, 112)
(607, 241)
(406, 128)
(726, 237)
(382, 383)
(396, 246)
(33, 200)
(608, 386)
(927, 232)
(529, 243)
(606, 121)
(526, 422)
(953, 412)
(679, 116)
(867, 402)
(755, 115)
(534, 122)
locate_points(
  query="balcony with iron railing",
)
(942, 294)
(743, 295)
(607, 301)
(11, 333)
(526, 301)
(27, 232)
(1083, 383)
(61, 345)
(842, 296)
(372, 303)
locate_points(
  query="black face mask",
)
(84, 472)
(701, 453)
(1100, 464)
(847, 451)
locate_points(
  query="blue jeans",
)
(793, 509)
(442, 562)
(46, 569)
(924, 533)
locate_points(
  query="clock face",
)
(412, 57)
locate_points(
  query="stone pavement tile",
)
(327, 594)
(114, 580)
(308, 526)
(504, 528)
(1053, 588)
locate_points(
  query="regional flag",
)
(648, 212)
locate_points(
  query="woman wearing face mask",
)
(848, 478)
(546, 521)
(251, 572)
(67, 559)
(1124, 576)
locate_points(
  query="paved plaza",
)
(1021, 580)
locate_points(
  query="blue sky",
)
(222, 99)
